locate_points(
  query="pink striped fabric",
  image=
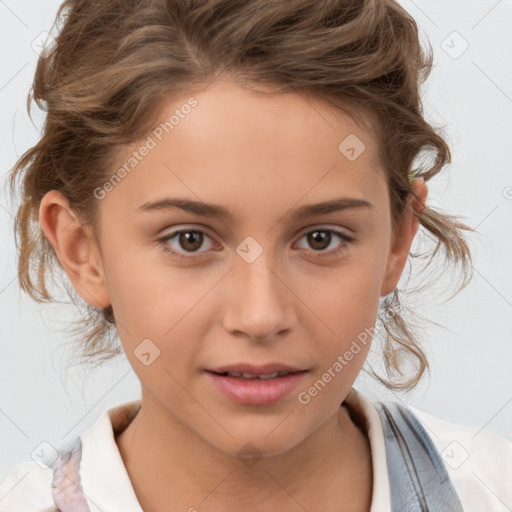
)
(66, 487)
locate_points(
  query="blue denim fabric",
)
(418, 478)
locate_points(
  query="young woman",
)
(230, 187)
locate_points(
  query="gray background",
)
(471, 355)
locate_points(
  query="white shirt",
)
(478, 462)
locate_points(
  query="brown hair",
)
(113, 64)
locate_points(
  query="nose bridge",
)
(259, 305)
(257, 272)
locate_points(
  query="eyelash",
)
(333, 252)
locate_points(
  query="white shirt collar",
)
(107, 486)
(369, 419)
(105, 480)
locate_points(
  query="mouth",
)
(244, 375)
(251, 385)
(248, 370)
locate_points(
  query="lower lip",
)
(256, 391)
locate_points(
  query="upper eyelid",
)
(320, 227)
(303, 230)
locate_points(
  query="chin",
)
(253, 444)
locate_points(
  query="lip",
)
(255, 391)
(261, 369)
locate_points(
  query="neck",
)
(329, 468)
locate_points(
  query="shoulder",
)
(27, 488)
(38, 486)
(478, 462)
(30, 485)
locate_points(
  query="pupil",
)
(188, 237)
(319, 237)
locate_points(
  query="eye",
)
(187, 240)
(321, 238)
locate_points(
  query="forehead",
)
(243, 146)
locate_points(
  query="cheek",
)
(347, 296)
(146, 294)
(167, 305)
(345, 308)
(155, 308)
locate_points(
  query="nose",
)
(258, 304)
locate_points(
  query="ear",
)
(406, 231)
(75, 247)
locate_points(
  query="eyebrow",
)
(209, 209)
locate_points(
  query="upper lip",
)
(263, 369)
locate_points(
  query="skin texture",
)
(262, 157)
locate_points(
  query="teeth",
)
(252, 376)
(271, 376)
(249, 376)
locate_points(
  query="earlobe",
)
(405, 235)
(75, 248)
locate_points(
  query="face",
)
(273, 282)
